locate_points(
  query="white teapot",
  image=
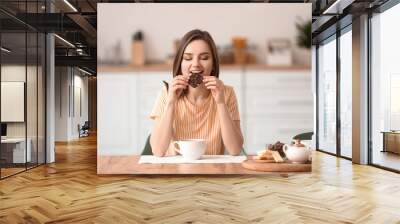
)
(297, 153)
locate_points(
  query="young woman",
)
(208, 111)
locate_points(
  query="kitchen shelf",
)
(166, 67)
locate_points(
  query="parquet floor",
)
(69, 191)
(9, 171)
(387, 159)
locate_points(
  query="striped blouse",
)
(197, 121)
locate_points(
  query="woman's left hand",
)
(217, 88)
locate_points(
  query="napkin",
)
(181, 159)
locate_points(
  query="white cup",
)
(190, 149)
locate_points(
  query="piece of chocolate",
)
(195, 79)
(278, 147)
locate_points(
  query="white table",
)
(19, 149)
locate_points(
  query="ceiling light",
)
(338, 6)
(86, 72)
(70, 5)
(64, 40)
(5, 50)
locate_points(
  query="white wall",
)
(80, 82)
(14, 73)
(62, 81)
(10, 73)
(163, 23)
(33, 127)
(12, 100)
(68, 80)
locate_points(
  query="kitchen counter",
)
(166, 67)
(391, 141)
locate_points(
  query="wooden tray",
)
(272, 166)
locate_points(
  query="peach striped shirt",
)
(197, 121)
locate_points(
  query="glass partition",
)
(22, 77)
(32, 86)
(13, 109)
(32, 94)
(41, 91)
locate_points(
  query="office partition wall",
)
(22, 77)
(14, 147)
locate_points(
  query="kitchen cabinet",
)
(234, 78)
(149, 86)
(278, 105)
(117, 110)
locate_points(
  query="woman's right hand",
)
(179, 83)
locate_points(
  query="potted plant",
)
(303, 40)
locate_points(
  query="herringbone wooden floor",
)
(70, 191)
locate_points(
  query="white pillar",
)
(50, 92)
(63, 103)
(50, 99)
(360, 90)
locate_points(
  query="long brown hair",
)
(186, 39)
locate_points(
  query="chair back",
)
(147, 148)
(86, 125)
(304, 136)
